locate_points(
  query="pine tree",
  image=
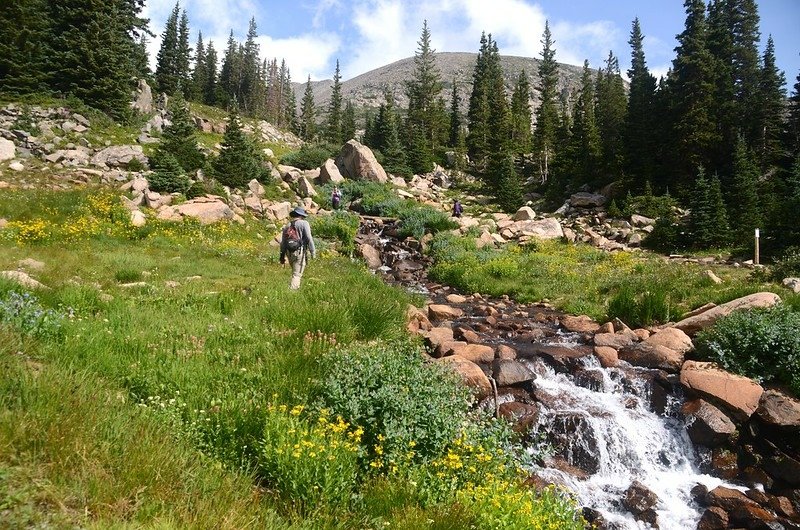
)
(584, 149)
(744, 200)
(239, 160)
(230, 74)
(179, 139)
(184, 58)
(478, 111)
(308, 114)
(547, 111)
(423, 91)
(455, 117)
(250, 84)
(168, 176)
(200, 72)
(709, 221)
(210, 87)
(25, 46)
(387, 138)
(639, 140)
(772, 98)
(141, 60)
(94, 51)
(611, 109)
(333, 125)
(349, 122)
(167, 60)
(521, 115)
(290, 108)
(692, 99)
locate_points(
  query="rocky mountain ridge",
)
(366, 90)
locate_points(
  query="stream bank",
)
(642, 440)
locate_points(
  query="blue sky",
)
(365, 34)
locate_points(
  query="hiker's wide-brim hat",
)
(299, 212)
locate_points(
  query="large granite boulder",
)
(734, 393)
(206, 210)
(329, 172)
(693, 324)
(471, 374)
(587, 200)
(119, 156)
(356, 161)
(7, 150)
(548, 228)
(708, 426)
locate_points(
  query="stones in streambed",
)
(641, 502)
(579, 324)
(471, 374)
(440, 312)
(708, 425)
(735, 394)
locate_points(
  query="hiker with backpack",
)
(297, 243)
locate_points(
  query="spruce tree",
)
(184, 57)
(521, 115)
(210, 87)
(584, 149)
(239, 160)
(423, 91)
(168, 58)
(168, 176)
(387, 138)
(333, 125)
(229, 84)
(290, 109)
(250, 81)
(478, 111)
(308, 114)
(692, 97)
(744, 201)
(455, 117)
(792, 141)
(94, 51)
(200, 72)
(179, 139)
(348, 122)
(638, 133)
(771, 105)
(611, 109)
(709, 221)
(25, 46)
(547, 112)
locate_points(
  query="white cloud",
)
(383, 37)
(305, 54)
(575, 43)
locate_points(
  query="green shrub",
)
(419, 219)
(397, 399)
(787, 266)
(309, 156)
(760, 343)
(127, 275)
(340, 226)
(667, 236)
(23, 312)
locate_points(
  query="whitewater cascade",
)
(611, 425)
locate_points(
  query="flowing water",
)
(627, 441)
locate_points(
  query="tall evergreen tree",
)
(168, 58)
(290, 107)
(771, 104)
(25, 46)
(584, 150)
(792, 141)
(521, 115)
(184, 56)
(387, 137)
(639, 140)
(250, 85)
(709, 222)
(423, 91)
(455, 117)
(308, 114)
(94, 50)
(611, 109)
(200, 72)
(333, 125)
(692, 92)
(478, 112)
(547, 111)
(349, 121)
(230, 74)
(210, 86)
(744, 201)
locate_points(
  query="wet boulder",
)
(521, 415)
(672, 338)
(440, 312)
(714, 518)
(779, 410)
(639, 498)
(509, 372)
(579, 324)
(734, 393)
(650, 355)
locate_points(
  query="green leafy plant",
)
(760, 343)
(787, 266)
(340, 226)
(397, 399)
(309, 156)
(641, 307)
(23, 312)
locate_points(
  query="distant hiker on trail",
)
(296, 242)
(457, 209)
(336, 197)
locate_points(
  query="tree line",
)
(716, 134)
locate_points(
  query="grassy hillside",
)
(168, 378)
